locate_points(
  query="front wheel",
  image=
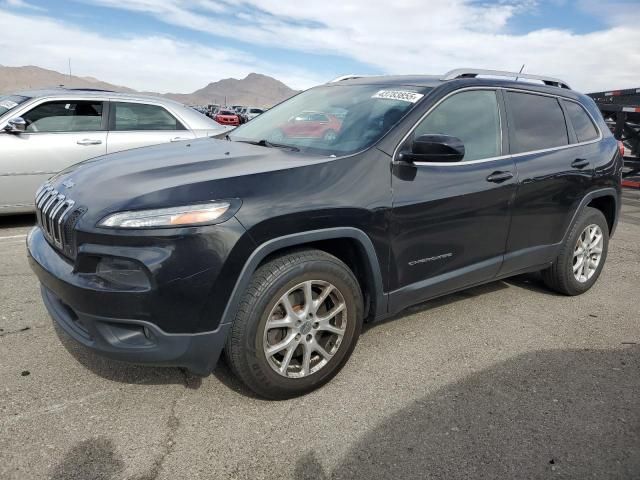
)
(582, 256)
(297, 324)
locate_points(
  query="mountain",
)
(255, 89)
(31, 77)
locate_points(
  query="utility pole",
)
(69, 72)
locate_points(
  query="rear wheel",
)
(297, 324)
(582, 256)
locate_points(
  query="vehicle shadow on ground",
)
(570, 413)
(438, 302)
(13, 221)
(125, 372)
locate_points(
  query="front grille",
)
(55, 213)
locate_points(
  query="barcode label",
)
(405, 96)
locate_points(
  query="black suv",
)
(275, 243)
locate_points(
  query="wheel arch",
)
(351, 245)
(606, 200)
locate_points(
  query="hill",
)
(255, 89)
(31, 77)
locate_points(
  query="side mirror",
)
(16, 125)
(435, 148)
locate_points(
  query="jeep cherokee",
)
(275, 249)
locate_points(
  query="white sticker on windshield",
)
(8, 104)
(405, 96)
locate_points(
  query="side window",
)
(65, 116)
(140, 116)
(536, 122)
(472, 116)
(582, 124)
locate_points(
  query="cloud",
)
(414, 36)
(155, 63)
(406, 36)
(21, 4)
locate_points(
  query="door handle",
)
(499, 177)
(579, 163)
(178, 139)
(88, 141)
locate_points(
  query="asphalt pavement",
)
(507, 380)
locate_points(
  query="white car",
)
(251, 112)
(45, 131)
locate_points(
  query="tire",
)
(271, 375)
(560, 275)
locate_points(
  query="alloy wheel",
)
(587, 253)
(305, 328)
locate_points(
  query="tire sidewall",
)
(254, 356)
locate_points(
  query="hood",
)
(171, 174)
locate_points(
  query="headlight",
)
(167, 217)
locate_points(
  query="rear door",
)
(450, 220)
(139, 124)
(59, 133)
(555, 170)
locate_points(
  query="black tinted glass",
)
(582, 124)
(473, 117)
(537, 122)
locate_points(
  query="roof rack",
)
(89, 90)
(472, 73)
(346, 77)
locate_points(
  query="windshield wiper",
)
(268, 144)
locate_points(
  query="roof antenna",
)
(521, 69)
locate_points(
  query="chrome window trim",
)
(501, 157)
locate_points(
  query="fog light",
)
(121, 272)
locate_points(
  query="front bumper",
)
(72, 305)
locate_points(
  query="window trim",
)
(508, 155)
(112, 117)
(103, 120)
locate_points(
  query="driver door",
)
(59, 134)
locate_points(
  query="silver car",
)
(45, 131)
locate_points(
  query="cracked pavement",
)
(506, 380)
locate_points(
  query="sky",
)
(182, 45)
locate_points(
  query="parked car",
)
(277, 252)
(227, 117)
(43, 132)
(310, 125)
(252, 112)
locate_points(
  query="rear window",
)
(582, 123)
(226, 112)
(536, 122)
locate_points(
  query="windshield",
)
(332, 120)
(9, 102)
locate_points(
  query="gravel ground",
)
(507, 380)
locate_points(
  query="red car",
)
(227, 117)
(312, 125)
